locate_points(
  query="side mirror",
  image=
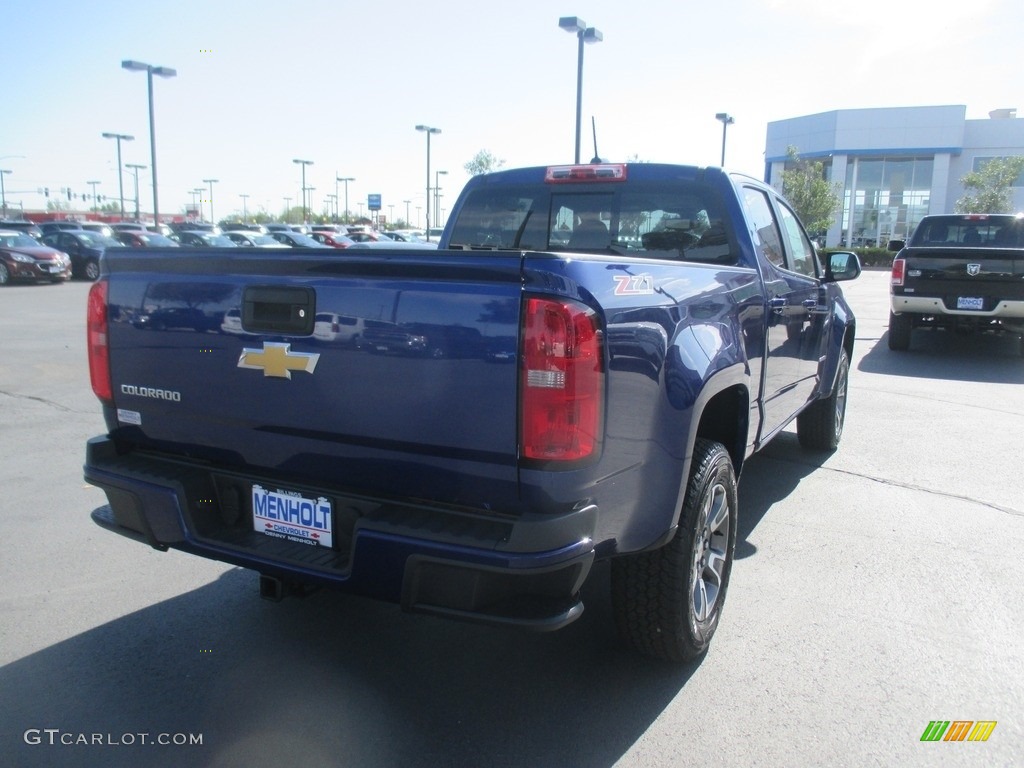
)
(842, 265)
(896, 245)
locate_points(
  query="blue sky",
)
(344, 84)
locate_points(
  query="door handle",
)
(777, 304)
(812, 306)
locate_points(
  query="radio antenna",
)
(593, 125)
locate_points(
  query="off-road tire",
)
(667, 602)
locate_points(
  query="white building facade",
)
(894, 165)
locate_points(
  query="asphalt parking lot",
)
(876, 590)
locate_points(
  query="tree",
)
(814, 199)
(989, 188)
(483, 162)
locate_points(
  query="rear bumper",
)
(25, 271)
(937, 305)
(521, 572)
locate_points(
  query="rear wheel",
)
(820, 426)
(899, 332)
(667, 602)
(91, 270)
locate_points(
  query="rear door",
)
(796, 314)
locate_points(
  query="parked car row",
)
(54, 251)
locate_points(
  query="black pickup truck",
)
(963, 272)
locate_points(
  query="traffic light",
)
(46, 191)
(69, 193)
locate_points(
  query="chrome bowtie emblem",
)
(973, 269)
(277, 360)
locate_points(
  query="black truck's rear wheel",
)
(668, 601)
(899, 332)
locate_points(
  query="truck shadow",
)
(940, 354)
(768, 477)
(333, 680)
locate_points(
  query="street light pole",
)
(120, 182)
(150, 70)
(584, 34)
(197, 206)
(211, 182)
(303, 163)
(428, 130)
(345, 180)
(3, 195)
(308, 194)
(95, 201)
(407, 223)
(287, 209)
(727, 120)
(437, 196)
(136, 168)
(245, 209)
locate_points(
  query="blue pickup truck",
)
(577, 374)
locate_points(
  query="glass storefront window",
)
(884, 198)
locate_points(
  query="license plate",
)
(970, 302)
(54, 270)
(292, 516)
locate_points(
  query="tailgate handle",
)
(277, 309)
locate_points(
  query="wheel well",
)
(725, 419)
(850, 335)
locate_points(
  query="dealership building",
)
(894, 165)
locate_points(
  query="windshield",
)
(97, 240)
(220, 241)
(969, 232)
(303, 241)
(156, 241)
(680, 220)
(18, 241)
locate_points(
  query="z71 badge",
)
(633, 285)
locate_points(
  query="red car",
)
(332, 239)
(24, 258)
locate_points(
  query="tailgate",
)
(956, 274)
(375, 372)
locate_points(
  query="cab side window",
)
(767, 236)
(802, 257)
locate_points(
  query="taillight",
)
(562, 381)
(98, 342)
(899, 268)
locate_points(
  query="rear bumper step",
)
(435, 561)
